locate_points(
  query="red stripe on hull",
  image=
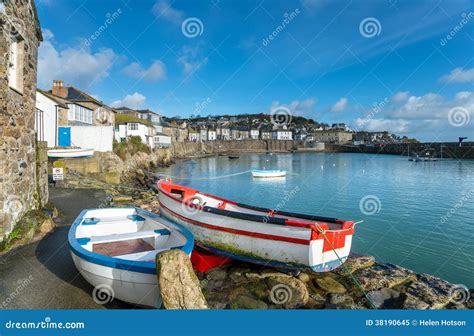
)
(238, 232)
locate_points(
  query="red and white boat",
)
(258, 235)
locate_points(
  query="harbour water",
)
(419, 215)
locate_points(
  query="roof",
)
(148, 111)
(76, 95)
(60, 101)
(161, 134)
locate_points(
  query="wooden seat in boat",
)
(117, 248)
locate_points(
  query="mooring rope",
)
(357, 283)
(202, 178)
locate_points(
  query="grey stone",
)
(330, 285)
(383, 275)
(287, 292)
(437, 293)
(354, 263)
(385, 298)
(247, 302)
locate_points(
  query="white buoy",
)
(322, 167)
(363, 171)
(334, 165)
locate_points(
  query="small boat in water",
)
(233, 157)
(63, 153)
(268, 173)
(114, 249)
(258, 235)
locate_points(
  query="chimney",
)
(59, 89)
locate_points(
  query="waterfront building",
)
(23, 164)
(282, 134)
(265, 135)
(333, 136)
(223, 133)
(193, 135)
(203, 134)
(128, 127)
(211, 135)
(254, 133)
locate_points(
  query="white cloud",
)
(134, 101)
(71, 64)
(459, 75)
(191, 60)
(163, 9)
(400, 97)
(428, 115)
(340, 105)
(156, 71)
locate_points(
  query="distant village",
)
(69, 117)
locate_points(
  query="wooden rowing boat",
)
(114, 249)
(258, 235)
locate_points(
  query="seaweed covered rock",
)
(330, 285)
(384, 275)
(179, 285)
(354, 263)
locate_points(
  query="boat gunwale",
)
(268, 218)
(124, 264)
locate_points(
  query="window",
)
(80, 113)
(133, 126)
(15, 66)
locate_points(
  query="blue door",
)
(64, 135)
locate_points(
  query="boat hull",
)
(268, 173)
(137, 288)
(70, 153)
(261, 243)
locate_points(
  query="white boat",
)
(268, 173)
(70, 152)
(114, 249)
(258, 235)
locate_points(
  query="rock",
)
(436, 292)
(330, 285)
(47, 226)
(287, 292)
(179, 285)
(122, 198)
(383, 275)
(247, 302)
(315, 301)
(412, 302)
(340, 301)
(266, 274)
(217, 274)
(354, 263)
(385, 298)
(304, 277)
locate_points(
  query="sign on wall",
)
(58, 174)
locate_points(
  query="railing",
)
(39, 124)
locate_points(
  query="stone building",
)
(23, 168)
(333, 136)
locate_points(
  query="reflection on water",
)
(408, 229)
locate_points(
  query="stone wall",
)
(19, 190)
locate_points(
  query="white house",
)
(129, 129)
(161, 140)
(46, 121)
(282, 134)
(62, 123)
(212, 135)
(254, 133)
(203, 134)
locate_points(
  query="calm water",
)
(404, 201)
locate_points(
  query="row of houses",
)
(69, 117)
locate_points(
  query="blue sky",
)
(376, 65)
